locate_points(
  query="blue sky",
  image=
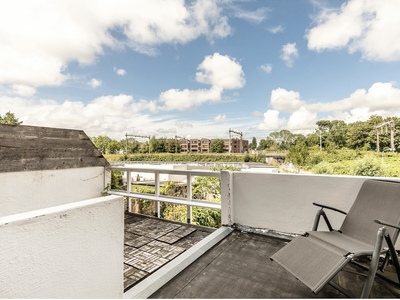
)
(198, 68)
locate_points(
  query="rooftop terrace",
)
(236, 267)
(64, 241)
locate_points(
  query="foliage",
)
(10, 119)
(116, 180)
(367, 166)
(267, 143)
(217, 146)
(323, 168)
(298, 153)
(283, 139)
(253, 144)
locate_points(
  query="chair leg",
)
(393, 255)
(374, 263)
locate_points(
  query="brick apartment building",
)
(203, 145)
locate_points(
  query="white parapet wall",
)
(31, 190)
(68, 251)
(283, 202)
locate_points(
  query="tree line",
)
(106, 145)
(336, 134)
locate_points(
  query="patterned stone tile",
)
(176, 235)
(163, 250)
(132, 276)
(191, 239)
(146, 261)
(135, 240)
(151, 228)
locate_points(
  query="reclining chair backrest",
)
(377, 199)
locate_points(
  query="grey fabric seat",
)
(370, 228)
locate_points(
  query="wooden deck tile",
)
(152, 228)
(163, 250)
(135, 240)
(132, 276)
(176, 235)
(145, 261)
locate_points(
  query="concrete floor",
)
(239, 267)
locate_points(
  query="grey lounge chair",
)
(370, 228)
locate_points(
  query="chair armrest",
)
(331, 208)
(386, 224)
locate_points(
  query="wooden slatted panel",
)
(31, 148)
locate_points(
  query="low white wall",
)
(70, 251)
(31, 190)
(283, 202)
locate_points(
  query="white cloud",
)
(381, 99)
(301, 120)
(221, 71)
(267, 68)
(287, 101)
(95, 117)
(370, 27)
(37, 47)
(120, 72)
(219, 119)
(95, 83)
(276, 29)
(257, 113)
(271, 121)
(167, 131)
(23, 90)
(183, 124)
(256, 16)
(185, 99)
(289, 53)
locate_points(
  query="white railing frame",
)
(157, 198)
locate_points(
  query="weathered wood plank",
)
(47, 164)
(30, 148)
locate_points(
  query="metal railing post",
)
(189, 197)
(129, 189)
(157, 192)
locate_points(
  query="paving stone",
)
(151, 228)
(135, 240)
(132, 275)
(145, 261)
(191, 239)
(176, 234)
(163, 250)
(143, 254)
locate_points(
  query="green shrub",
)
(367, 166)
(323, 168)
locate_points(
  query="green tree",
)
(358, 135)
(312, 139)
(267, 143)
(113, 147)
(130, 145)
(101, 142)
(283, 139)
(10, 119)
(298, 153)
(144, 148)
(253, 144)
(217, 146)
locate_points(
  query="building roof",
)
(32, 148)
